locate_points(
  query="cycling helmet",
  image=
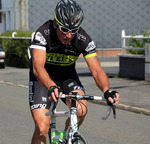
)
(68, 14)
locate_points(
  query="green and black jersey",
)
(60, 59)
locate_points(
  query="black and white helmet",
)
(68, 14)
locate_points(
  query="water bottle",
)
(62, 136)
(55, 137)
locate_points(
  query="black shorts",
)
(38, 94)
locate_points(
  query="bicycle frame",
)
(53, 114)
(73, 127)
(73, 122)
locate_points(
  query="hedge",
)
(16, 49)
(138, 43)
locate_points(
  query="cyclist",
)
(56, 46)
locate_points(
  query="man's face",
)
(64, 34)
(64, 38)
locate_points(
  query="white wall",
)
(13, 16)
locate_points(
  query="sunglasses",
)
(66, 30)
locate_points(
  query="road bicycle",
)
(73, 135)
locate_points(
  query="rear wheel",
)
(79, 139)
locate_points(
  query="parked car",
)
(2, 58)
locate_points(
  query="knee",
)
(82, 110)
(42, 129)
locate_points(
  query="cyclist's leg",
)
(75, 85)
(39, 105)
(41, 126)
(81, 107)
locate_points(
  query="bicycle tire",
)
(79, 139)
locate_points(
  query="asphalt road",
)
(16, 124)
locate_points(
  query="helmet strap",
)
(55, 24)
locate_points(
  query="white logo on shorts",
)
(35, 106)
(77, 88)
(71, 84)
(44, 99)
(30, 91)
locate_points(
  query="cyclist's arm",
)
(99, 75)
(39, 58)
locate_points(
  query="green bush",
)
(138, 43)
(16, 49)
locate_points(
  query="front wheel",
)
(79, 139)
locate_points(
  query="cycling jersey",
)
(60, 58)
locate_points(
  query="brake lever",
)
(110, 107)
(55, 104)
(114, 111)
(114, 108)
(52, 108)
(107, 113)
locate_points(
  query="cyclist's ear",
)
(54, 24)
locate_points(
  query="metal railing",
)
(124, 37)
(13, 36)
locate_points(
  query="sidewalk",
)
(134, 94)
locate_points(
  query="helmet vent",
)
(69, 14)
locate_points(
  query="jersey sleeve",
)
(90, 50)
(87, 45)
(39, 40)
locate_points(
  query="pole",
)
(147, 62)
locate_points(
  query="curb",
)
(103, 64)
(127, 108)
(119, 106)
(12, 84)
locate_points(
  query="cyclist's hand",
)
(112, 97)
(54, 93)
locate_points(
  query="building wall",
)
(5, 15)
(14, 14)
(104, 19)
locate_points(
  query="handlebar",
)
(77, 97)
(83, 97)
